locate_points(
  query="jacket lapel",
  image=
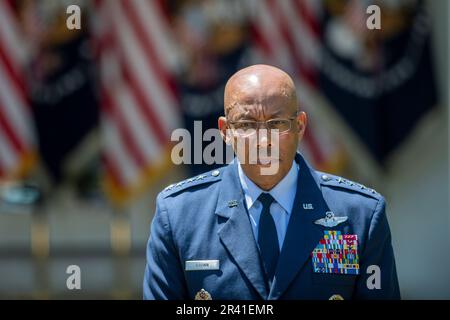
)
(302, 235)
(236, 233)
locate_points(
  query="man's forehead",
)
(267, 96)
(260, 103)
(258, 87)
(259, 111)
(258, 92)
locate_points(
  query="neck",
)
(266, 183)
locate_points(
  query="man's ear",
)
(224, 132)
(302, 121)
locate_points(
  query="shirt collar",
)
(284, 192)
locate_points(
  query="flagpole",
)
(40, 250)
(120, 240)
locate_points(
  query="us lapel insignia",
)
(330, 220)
(203, 295)
(308, 206)
(232, 203)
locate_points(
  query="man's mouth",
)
(264, 161)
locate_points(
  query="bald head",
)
(258, 85)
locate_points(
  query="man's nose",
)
(264, 138)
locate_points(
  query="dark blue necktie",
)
(267, 237)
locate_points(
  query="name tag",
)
(195, 265)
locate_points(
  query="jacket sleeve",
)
(378, 262)
(163, 278)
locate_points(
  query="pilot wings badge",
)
(330, 220)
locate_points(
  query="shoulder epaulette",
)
(191, 182)
(336, 181)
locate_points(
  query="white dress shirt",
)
(283, 193)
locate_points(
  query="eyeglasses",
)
(249, 127)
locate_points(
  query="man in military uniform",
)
(236, 233)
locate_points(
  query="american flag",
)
(140, 107)
(16, 130)
(139, 100)
(287, 34)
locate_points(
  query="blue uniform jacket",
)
(205, 218)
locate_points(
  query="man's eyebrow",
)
(277, 113)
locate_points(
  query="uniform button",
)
(325, 177)
(215, 173)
